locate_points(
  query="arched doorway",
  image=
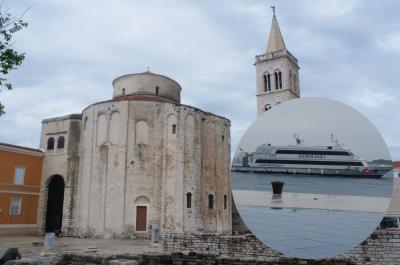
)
(141, 203)
(55, 200)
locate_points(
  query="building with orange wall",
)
(20, 176)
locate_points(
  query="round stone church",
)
(138, 162)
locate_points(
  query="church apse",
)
(143, 143)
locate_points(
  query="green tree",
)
(10, 59)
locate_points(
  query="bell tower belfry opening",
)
(277, 72)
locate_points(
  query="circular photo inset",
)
(312, 178)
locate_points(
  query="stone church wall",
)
(153, 154)
(63, 162)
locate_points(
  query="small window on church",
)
(123, 91)
(210, 201)
(223, 138)
(60, 142)
(50, 143)
(173, 128)
(265, 83)
(225, 201)
(188, 200)
(280, 79)
(157, 90)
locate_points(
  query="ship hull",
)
(311, 171)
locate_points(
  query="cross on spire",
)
(273, 10)
(275, 41)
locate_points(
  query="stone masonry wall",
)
(382, 247)
(242, 246)
(175, 259)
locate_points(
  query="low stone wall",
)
(241, 246)
(382, 247)
(164, 259)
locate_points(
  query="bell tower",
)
(277, 72)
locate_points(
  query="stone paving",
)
(33, 245)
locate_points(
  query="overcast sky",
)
(314, 120)
(347, 50)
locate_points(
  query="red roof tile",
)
(22, 147)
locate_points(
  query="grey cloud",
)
(76, 48)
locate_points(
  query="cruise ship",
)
(333, 160)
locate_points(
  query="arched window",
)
(50, 143)
(101, 129)
(157, 90)
(291, 83)
(123, 91)
(173, 128)
(278, 80)
(210, 201)
(141, 133)
(188, 200)
(267, 82)
(60, 142)
(115, 136)
(225, 201)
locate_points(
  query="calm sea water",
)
(379, 187)
(309, 233)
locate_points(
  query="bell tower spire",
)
(275, 41)
(277, 71)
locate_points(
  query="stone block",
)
(123, 262)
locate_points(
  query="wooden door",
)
(141, 218)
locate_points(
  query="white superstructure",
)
(334, 159)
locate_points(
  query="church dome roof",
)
(147, 83)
